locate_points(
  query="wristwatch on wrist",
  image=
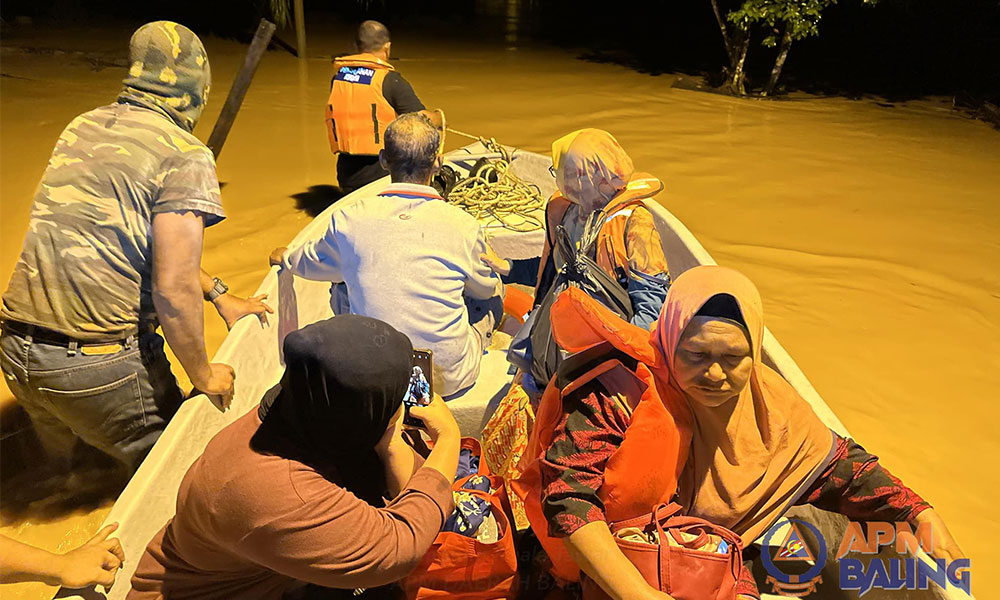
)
(219, 289)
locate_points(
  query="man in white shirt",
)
(410, 259)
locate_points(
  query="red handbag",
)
(681, 557)
(457, 566)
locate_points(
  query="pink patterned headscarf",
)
(753, 456)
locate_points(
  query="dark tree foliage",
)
(896, 48)
(783, 22)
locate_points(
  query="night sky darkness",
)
(897, 48)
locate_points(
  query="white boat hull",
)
(149, 500)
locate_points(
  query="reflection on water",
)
(513, 21)
(872, 232)
(512, 14)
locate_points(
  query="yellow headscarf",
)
(591, 168)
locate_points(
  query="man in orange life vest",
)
(366, 94)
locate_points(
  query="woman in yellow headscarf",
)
(595, 175)
(596, 180)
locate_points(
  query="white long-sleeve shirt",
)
(409, 258)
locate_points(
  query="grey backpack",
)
(534, 349)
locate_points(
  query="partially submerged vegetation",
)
(895, 49)
(783, 22)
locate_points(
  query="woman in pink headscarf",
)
(748, 447)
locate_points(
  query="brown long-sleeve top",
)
(253, 526)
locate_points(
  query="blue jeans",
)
(117, 398)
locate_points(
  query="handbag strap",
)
(644, 521)
(475, 448)
(675, 524)
(663, 511)
(683, 523)
(700, 539)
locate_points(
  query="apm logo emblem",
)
(904, 571)
(878, 570)
(793, 550)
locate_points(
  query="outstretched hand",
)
(277, 256)
(233, 308)
(491, 259)
(94, 563)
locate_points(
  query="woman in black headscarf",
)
(337, 399)
(294, 492)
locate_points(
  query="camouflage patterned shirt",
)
(86, 266)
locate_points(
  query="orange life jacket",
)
(612, 253)
(643, 472)
(357, 113)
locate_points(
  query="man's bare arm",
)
(232, 308)
(177, 296)
(207, 283)
(94, 563)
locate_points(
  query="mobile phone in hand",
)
(421, 388)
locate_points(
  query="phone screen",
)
(420, 390)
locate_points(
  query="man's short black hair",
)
(372, 35)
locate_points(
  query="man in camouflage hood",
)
(112, 251)
(169, 72)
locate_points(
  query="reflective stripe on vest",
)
(357, 113)
(625, 212)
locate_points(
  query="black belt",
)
(49, 336)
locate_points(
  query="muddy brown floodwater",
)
(873, 232)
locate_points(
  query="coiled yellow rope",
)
(496, 192)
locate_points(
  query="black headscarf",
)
(344, 380)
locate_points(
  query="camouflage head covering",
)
(169, 72)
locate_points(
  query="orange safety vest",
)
(644, 471)
(612, 253)
(357, 113)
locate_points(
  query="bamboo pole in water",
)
(300, 29)
(240, 85)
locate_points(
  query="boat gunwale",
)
(775, 355)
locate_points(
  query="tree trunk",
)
(722, 26)
(737, 43)
(786, 43)
(737, 75)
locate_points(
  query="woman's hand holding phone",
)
(437, 419)
(442, 428)
(421, 387)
